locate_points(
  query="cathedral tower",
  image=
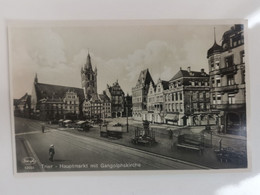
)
(89, 79)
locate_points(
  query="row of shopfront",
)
(180, 119)
(231, 122)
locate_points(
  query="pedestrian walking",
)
(170, 134)
(51, 152)
(220, 144)
(43, 128)
(218, 128)
(194, 120)
(222, 128)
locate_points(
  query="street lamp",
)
(127, 118)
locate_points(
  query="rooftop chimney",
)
(189, 69)
(202, 70)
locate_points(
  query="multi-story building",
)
(22, 106)
(156, 101)
(93, 108)
(106, 105)
(187, 99)
(128, 106)
(227, 80)
(139, 95)
(50, 102)
(116, 96)
(150, 102)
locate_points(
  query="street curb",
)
(28, 147)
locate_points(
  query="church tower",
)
(89, 79)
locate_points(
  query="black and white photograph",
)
(128, 95)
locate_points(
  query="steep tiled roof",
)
(214, 49)
(16, 101)
(88, 65)
(56, 91)
(233, 30)
(144, 78)
(95, 98)
(23, 99)
(185, 73)
(115, 89)
(104, 97)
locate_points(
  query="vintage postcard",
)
(128, 95)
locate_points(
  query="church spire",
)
(214, 34)
(215, 48)
(36, 78)
(88, 64)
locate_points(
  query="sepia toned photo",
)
(128, 95)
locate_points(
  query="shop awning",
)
(81, 122)
(172, 117)
(67, 121)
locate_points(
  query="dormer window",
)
(225, 46)
(179, 83)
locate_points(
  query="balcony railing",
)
(230, 88)
(188, 88)
(228, 106)
(226, 88)
(226, 70)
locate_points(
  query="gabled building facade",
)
(156, 101)
(22, 106)
(139, 95)
(106, 105)
(116, 96)
(93, 108)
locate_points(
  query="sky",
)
(119, 51)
